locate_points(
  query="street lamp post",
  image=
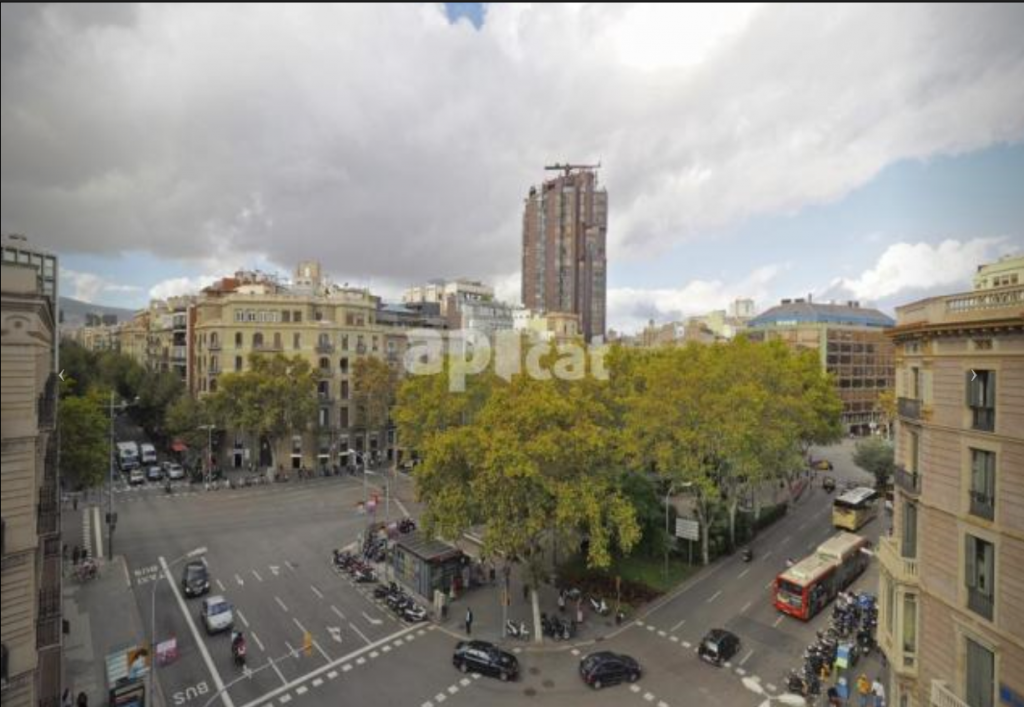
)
(198, 552)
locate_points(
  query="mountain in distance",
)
(73, 312)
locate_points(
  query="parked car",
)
(216, 615)
(607, 668)
(136, 476)
(485, 658)
(195, 579)
(175, 471)
(718, 646)
(829, 484)
(154, 473)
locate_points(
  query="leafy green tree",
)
(184, 420)
(84, 439)
(875, 455)
(374, 385)
(888, 406)
(274, 398)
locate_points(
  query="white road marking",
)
(285, 699)
(402, 508)
(649, 696)
(258, 641)
(337, 611)
(333, 674)
(346, 667)
(728, 664)
(674, 639)
(428, 703)
(743, 573)
(770, 687)
(217, 681)
(767, 555)
(679, 625)
(301, 627)
(374, 654)
(661, 633)
(373, 621)
(440, 697)
(715, 596)
(319, 594)
(317, 682)
(741, 672)
(747, 657)
(220, 585)
(770, 584)
(280, 603)
(745, 607)
(257, 576)
(686, 644)
(98, 530)
(634, 688)
(778, 621)
(239, 580)
(361, 634)
(239, 614)
(453, 689)
(575, 651)
(386, 649)
(289, 565)
(301, 690)
(464, 682)
(650, 628)
(662, 703)
(399, 642)
(360, 660)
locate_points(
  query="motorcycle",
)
(747, 554)
(413, 612)
(365, 575)
(599, 606)
(238, 648)
(86, 570)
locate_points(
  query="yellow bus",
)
(855, 508)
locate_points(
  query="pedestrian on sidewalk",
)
(864, 690)
(76, 555)
(469, 621)
(526, 592)
(878, 690)
(74, 501)
(561, 601)
(493, 573)
(579, 611)
(83, 700)
(65, 698)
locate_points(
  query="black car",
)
(719, 646)
(195, 579)
(607, 668)
(486, 659)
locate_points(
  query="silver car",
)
(175, 471)
(216, 614)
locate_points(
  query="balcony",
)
(324, 373)
(980, 603)
(909, 408)
(324, 347)
(49, 604)
(48, 511)
(47, 405)
(268, 348)
(215, 345)
(983, 505)
(983, 419)
(902, 569)
(361, 349)
(908, 481)
(942, 696)
(980, 306)
(48, 632)
(324, 398)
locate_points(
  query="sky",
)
(848, 152)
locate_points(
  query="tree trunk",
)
(733, 508)
(757, 505)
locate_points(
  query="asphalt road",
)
(268, 553)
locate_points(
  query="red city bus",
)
(808, 586)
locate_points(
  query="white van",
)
(127, 455)
(148, 452)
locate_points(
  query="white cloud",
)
(390, 143)
(629, 309)
(177, 286)
(89, 287)
(922, 266)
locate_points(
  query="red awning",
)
(178, 446)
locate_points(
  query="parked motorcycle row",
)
(851, 634)
(404, 606)
(557, 628)
(359, 567)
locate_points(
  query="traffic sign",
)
(688, 528)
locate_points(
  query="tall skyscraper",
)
(565, 228)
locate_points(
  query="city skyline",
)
(728, 178)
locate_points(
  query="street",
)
(268, 552)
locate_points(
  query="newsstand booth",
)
(426, 565)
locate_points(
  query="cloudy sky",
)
(858, 152)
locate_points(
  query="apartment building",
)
(852, 344)
(951, 590)
(30, 615)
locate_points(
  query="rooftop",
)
(801, 311)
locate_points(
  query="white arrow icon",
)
(275, 569)
(239, 580)
(61, 375)
(247, 671)
(973, 375)
(335, 632)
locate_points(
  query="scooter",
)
(413, 612)
(514, 630)
(599, 606)
(238, 649)
(747, 554)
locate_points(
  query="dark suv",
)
(195, 579)
(719, 646)
(486, 659)
(606, 668)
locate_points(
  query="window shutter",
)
(969, 395)
(971, 564)
(986, 572)
(990, 391)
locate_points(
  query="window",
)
(344, 390)
(325, 365)
(297, 316)
(277, 341)
(323, 389)
(983, 483)
(343, 364)
(980, 676)
(915, 383)
(257, 340)
(344, 418)
(915, 452)
(890, 603)
(286, 316)
(344, 342)
(238, 363)
(981, 399)
(296, 341)
(325, 417)
(909, 628)
(980, 576)
(238, 339)
(375, 344)
(909, 544)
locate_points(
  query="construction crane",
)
(567, 168)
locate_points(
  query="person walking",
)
(74, 501)
(864, 690)
(526, 592)
(65, 698)
(878, 691)
(469, 621)
(76, 555)
(561, 601)
(83, 700)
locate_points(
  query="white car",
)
(175, 471)
(216, 614)
(136, 476)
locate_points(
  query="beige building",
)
(548, 326)
(30, 616)
(952, 573)
(332, 327)
(1005, 272)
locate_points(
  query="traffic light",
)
(307, 643)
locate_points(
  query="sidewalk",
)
(88, 608)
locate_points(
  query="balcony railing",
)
(48, 511)
(983, 419)
(902, 569)
(267, 347)
(47, 406)
(324, 347)
(942, 696)
(48, 632)
(983, 505)
(979, 603)
(215, 345)
(49, 603)
(324, 372)
(909, 408)
(908, 481)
